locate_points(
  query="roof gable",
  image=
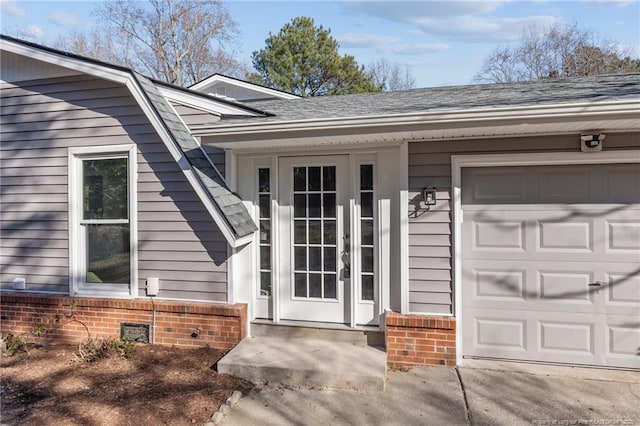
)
(231, 88)
(226, 208)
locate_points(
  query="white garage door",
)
(551, 263)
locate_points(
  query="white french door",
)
(314, 230)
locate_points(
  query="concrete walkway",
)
(484, 393)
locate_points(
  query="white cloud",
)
(32, 31)
(408, 11)
(483, 29)
(388, 44)
(63, 19)
(10, 7)
(616, 3)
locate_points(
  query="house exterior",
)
(497, 221)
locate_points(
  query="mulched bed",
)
(158, 385)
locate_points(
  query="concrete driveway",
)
(481, 393)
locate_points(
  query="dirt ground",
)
(157, 386)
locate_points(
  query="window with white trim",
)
(264, 203)
(101, 194)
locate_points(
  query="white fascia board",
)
(201, 103)
(203, 85)
(127, 79)
(538, 113)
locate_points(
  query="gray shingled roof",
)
(229, 204)
(556, 91)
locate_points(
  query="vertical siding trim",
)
(404, 228)
(230, 170)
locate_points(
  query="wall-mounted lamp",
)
(591, 142)
(429, 196)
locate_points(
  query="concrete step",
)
(297, 330)
(307, 362)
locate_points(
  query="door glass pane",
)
(314, 179)
(315, 285)
(315, 258)
(265, 231)
(329, 206)
(367, 232)
(264, 182)
(367, 259)
(300, 232)
(367, 287)
(265, 257)
(265, 283)
(330, 286)
(299, 205)
(299, 178)
(265, 207)
(104, 189)
(330, 259)
(315, 232)
(366, 204)
(366, 177)
(330, 232)
(108, 254)
(314, 205)
(300, 285)
(329, 178)
(300, 258)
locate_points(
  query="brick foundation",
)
(420, 340)
(59, 319)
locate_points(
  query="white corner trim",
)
(404, 227)
(503, 160)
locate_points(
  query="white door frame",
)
(503, 160)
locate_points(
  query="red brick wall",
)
(62, 319)
(420, 340)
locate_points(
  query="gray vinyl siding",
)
(430, 233)
(177, 238)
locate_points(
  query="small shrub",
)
(14, 343)
(93, 350)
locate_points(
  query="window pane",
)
(330, 259)
(265, 257)
(315, 285)
(299, 178)
(315, 258)
(299, 205)
(265, 231)
(314, 205)
(366, 204)
(264, 181)
(330, 286)
(265, 205)
(367, 259)
(300, 258)
(104, 189)
(108, 254)
(330, 232)
(265, 283)
(301, 285)
(314, 179)
(300, 232)
(329, 178)
(315, 232)
(329, 205)
(367, 287)
(367, 232)
(366, 177)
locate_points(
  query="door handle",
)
(596, 284)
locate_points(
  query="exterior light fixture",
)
(429, 196)
(591, 142)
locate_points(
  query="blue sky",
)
(442, 42)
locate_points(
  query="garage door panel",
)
(552, 274)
